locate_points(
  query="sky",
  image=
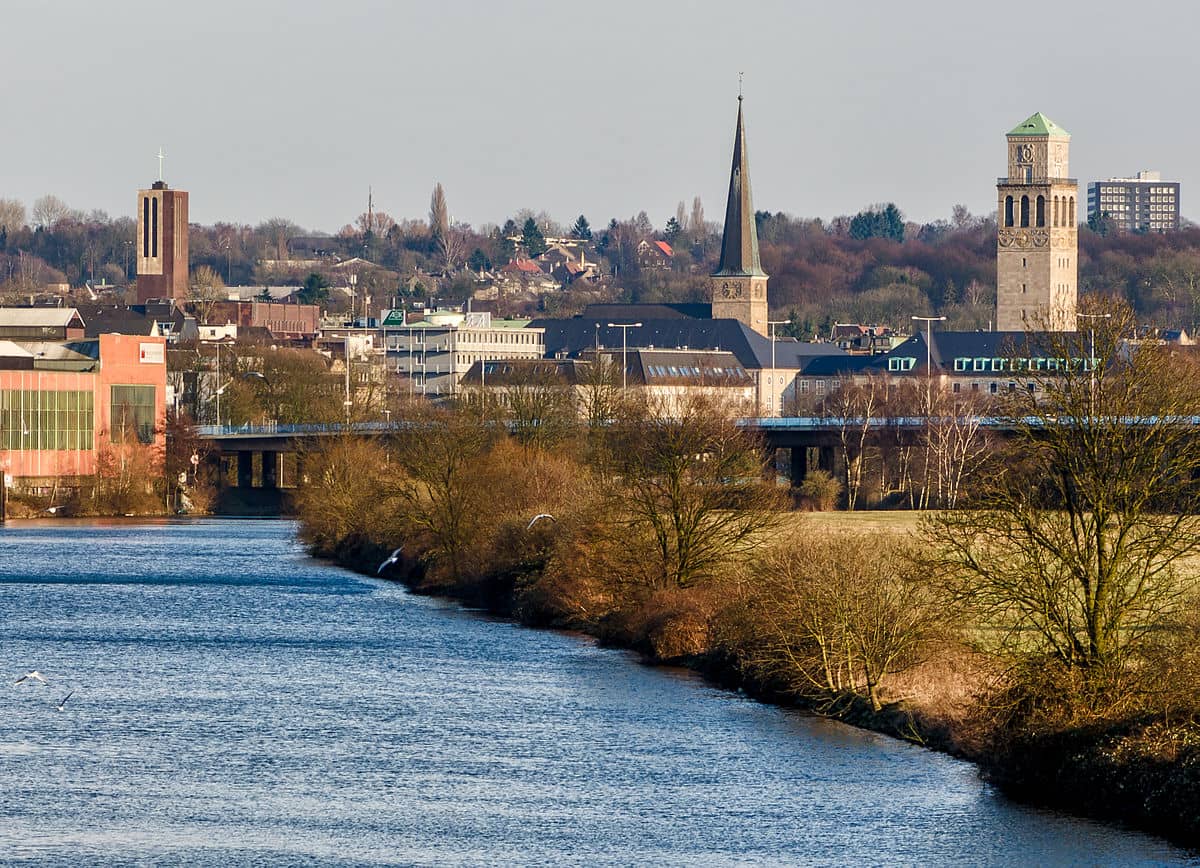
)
(295, 109)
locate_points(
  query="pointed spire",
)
(739, 243)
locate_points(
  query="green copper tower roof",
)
(1037, 124)
(739, 242)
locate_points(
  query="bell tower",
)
(1037, 231)
(739, 285)
(162, 241)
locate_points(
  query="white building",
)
(435, 353)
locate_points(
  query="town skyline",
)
(907, 106)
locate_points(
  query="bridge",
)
(270, 457)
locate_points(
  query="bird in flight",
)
(395, 556)
(538, 518)
(34, 676)
(63, 702)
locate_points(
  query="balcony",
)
(1017, 182)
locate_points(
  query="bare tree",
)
(1072, 547)
(12, 215)
(692, 483)
(206, 290)
(449, 242)
(833, 616)
(48, 210)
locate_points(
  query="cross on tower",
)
(161, 157)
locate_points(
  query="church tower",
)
(162, 242)
(739, 285)
(1037, 231)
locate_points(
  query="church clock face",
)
(1026, 153)
(731, 290)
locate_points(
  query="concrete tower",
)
(739, 285)
(162, 242)
(1037, 231)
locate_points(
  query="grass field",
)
(873, 521)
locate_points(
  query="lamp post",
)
(929, 321)
(226, 244)
(772, 323)
(348, 403)
(1092, 355)
(353, 279)
(624, 327)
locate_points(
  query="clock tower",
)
(739, 285)
(1037, 231)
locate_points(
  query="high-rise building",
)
(1144, 203)
(739, 285)
(1037, 231)
(162, 243)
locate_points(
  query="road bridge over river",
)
(269, 458)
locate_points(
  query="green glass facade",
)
(34, 420)
(133, 410)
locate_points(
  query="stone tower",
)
(739, 285)
(1037, 231)
(162, 243)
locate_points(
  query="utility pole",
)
(1092, 356)
(772, 323)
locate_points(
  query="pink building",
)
(62, 405)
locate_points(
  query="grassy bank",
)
(662, 538)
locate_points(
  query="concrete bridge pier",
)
(245, 469)
(799, 465)
(270, 469)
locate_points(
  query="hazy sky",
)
(606, 108)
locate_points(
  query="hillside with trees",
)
(871, 267)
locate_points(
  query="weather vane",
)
(740, 74)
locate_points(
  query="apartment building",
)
(1144, 203)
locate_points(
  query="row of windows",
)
(1063, 211)
(35, 420)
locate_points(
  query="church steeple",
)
(739, 243)
(739, 285)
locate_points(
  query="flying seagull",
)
(538, 518)
(395, 556)
(62, 702)
(35, 675)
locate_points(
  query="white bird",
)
(35, 675)
(395, 556)
(62, 702)
(538, 518)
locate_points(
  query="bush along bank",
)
(661, 536)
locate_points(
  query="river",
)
(236, 702)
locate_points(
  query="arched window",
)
(1008, 210)
(1072, 210)
(1024, 210)
(1041, 211)
(1056, 210)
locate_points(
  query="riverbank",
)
(1142, 774)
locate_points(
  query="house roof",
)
(55, 317)
(49, 355)
(633, 312)
(117, 319)
(688, 367)
(944, 348)
(527, 266)
(664, 247)
(570, 337)
(1037, 124)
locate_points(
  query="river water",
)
(235, 702)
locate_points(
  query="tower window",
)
(1056, 210)
(1041, 211)
(146, 227)
(1008, 210)
(1024, 211)
(154, 230)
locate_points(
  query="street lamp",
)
(929, 321)
(624, 327)
(772, 323)
(1092, 354)
(248, 375)
(226, 244)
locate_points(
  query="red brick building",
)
(162, 244)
